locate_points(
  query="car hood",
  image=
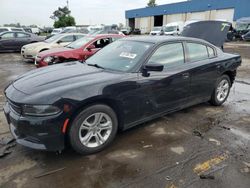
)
(214, 32)
(62, 77)
(55, 51)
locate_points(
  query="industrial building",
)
(226, 10)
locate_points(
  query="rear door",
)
(203, 70)
(22, 39)
(8, 41)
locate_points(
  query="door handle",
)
(185, 75)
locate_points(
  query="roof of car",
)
(160, 39)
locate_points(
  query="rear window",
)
(197, 52)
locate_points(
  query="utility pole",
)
(68, 4)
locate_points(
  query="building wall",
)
(145, 24)
(241, 8)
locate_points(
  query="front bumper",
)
(27, 54)
(42, 133)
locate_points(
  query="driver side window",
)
(169, 55)
(101, 43)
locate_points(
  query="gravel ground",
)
(172, 151)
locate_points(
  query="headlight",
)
(40, 110)
(48, 59)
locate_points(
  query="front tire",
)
(221, 91)
(93, 129)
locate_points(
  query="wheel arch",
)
(112, 103)
(231, 74)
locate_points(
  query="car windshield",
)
(242, 26)
(120, 55)
(80, 42)
(53, 38)
(157, 28)
(170, 28)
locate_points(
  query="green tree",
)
(65, 21)
(62, 17)
(152, 3)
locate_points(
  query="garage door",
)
(198, 16)
(174, 18)
(225, 14)
(144, 25)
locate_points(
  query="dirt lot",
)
(169, 152)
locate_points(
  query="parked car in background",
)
(129, 82)
(79, 50)
(157, 31)
(2, 29)
(246, 37)
(56, 31)
(14, 40)
(126, 30)
(174, 28)
(242, 27)
(35, 30)
(27, 29)
(136, 31)
(30, 51)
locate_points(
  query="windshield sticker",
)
(128, 55)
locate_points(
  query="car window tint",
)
(78, 36)
(8, 36)
(210, 52)
(169, 55)
(115, 39)
(16, 29)
(101, 42)
(22, 35)
(3, 29)
(69, 38)
(197, 52)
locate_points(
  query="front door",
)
(167, 90)
(8, 41)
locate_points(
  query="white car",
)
(3, 29)
(174, 28)
(56, 31)
(30, 51)
(157, 31)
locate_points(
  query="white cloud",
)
(85, 11)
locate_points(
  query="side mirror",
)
(59, 42)
(151, 67)
(90, 47)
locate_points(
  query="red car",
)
(78, 50)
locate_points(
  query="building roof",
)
(241, 8)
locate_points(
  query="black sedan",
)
(129, 82)
(14, 40)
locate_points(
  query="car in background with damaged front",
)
(129, 82)
(78, 50)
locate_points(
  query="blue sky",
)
(85, 11)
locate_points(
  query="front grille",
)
(14, 107)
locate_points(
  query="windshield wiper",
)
(96, 65)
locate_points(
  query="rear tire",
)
(93, 129)
(221, 91)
